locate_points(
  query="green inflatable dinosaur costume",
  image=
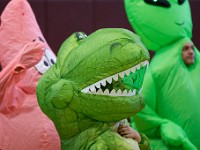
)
(171, 117)
(84, 94)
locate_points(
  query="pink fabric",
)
(23, 126)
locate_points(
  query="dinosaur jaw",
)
(107, 86)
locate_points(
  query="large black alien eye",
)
(162, 3)
(180, 2)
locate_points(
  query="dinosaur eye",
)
(115, 47)
(180, 2)
(162, 3)
(80, 35)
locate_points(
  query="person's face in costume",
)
(188, 54)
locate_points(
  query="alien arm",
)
(148, 118)
(152, 124)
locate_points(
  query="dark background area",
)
(58, 19)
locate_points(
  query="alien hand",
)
(173, 135)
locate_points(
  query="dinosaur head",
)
(103, 60)
(92, 76)
(159, 22)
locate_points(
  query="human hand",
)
(128, 132)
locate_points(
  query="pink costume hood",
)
(24, 55)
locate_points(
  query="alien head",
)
(159, 22)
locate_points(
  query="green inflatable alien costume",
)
(84, 94)
(171, 117)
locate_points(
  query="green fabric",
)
(157, 25)
(86, 120)
(171, 117)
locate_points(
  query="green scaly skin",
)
(86, 120)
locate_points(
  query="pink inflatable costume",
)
(24, 57)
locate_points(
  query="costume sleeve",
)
(147, 118)
(149, 122)
(15, 72)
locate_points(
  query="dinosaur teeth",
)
(134, 92)
(106, 92)
(109, 80)
(125, 93)
(98, 84)
(113, 92)
(127, 72)
(103, 82)
(133, 69)
(121, 74)
(138, 67)
(85, 90)
(92, 88)
(100, 92)
(145, 63)
(115, 77)
(130, 93)
(119, 93)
